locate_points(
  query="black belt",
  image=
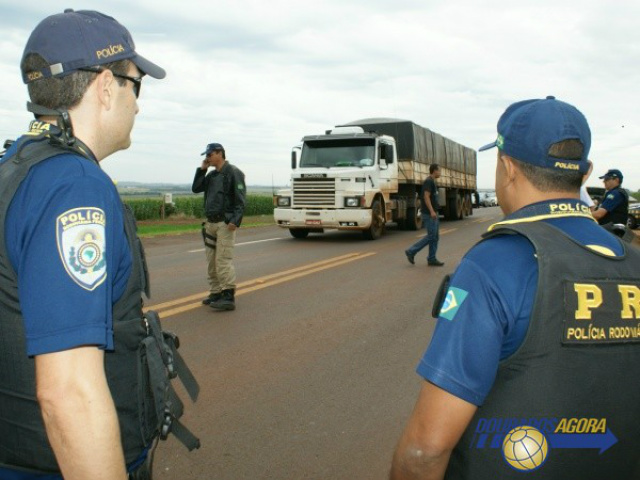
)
(216, 218)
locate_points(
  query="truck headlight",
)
(352, 202)
(283, 201)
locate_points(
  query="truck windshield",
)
(332, 153)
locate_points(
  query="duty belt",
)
(216, 218)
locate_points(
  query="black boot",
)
(213, 297)
(226, 301)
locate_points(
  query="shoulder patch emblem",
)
(454, 299)
(80, 234)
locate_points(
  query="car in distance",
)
(633, 220)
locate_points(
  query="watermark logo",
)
(528, 443)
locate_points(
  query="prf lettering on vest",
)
(110, 51)
(590, 298)
(630, 301)
(601, 311)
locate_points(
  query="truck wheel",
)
(377, 222)
(453, 210)
(632, 223)
(414, 219)
(468, 205)
(299, 232)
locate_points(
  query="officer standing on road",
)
(510, 363)
(614, 208)
(429, 207)
(75, 401)
(224, 201)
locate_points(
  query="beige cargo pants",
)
(219, 243)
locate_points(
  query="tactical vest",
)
(573, 379)
(620, 213)
(139, 369)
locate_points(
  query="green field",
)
(188, 206)
(175, 226)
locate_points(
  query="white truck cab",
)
(341, 180)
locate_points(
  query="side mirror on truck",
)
(293, 160)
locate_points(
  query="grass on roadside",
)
(173, 227)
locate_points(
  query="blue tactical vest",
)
(566, 404)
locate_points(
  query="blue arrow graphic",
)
(602, 441)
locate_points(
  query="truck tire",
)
(468, 205)
(459, 207)
(454, 206)
(377, 222)
(414, 219)
(632, 223)
(299, 232)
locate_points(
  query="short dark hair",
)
(552, 179)
(433, 167)
(64, 92)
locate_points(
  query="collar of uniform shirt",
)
(561, 207)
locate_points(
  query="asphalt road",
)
(312, 376)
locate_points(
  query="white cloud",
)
(257, 76)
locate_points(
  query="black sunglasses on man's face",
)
(137, 81)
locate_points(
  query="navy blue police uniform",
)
(73, 274)
(496, 347)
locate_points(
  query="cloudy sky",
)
(256, 76)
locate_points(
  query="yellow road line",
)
(258, 283)
(484, 220)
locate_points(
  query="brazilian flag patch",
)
(454, 299)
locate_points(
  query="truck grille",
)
(314, 192)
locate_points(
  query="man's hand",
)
(205, 165)
(231, 226)
(434, 215)
(79, 414)
(438, 421)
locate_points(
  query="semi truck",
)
(364, 174)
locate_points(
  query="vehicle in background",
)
(366, 173)
(633, 220)
(488, 199)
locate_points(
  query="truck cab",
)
(341, 180)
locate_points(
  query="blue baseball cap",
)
(612, 173)
(527, 129)
(212, 147)
(73, 40)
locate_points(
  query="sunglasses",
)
(137, 81)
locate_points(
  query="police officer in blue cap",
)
(614, 207)
(84, 377)
(536, 328)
